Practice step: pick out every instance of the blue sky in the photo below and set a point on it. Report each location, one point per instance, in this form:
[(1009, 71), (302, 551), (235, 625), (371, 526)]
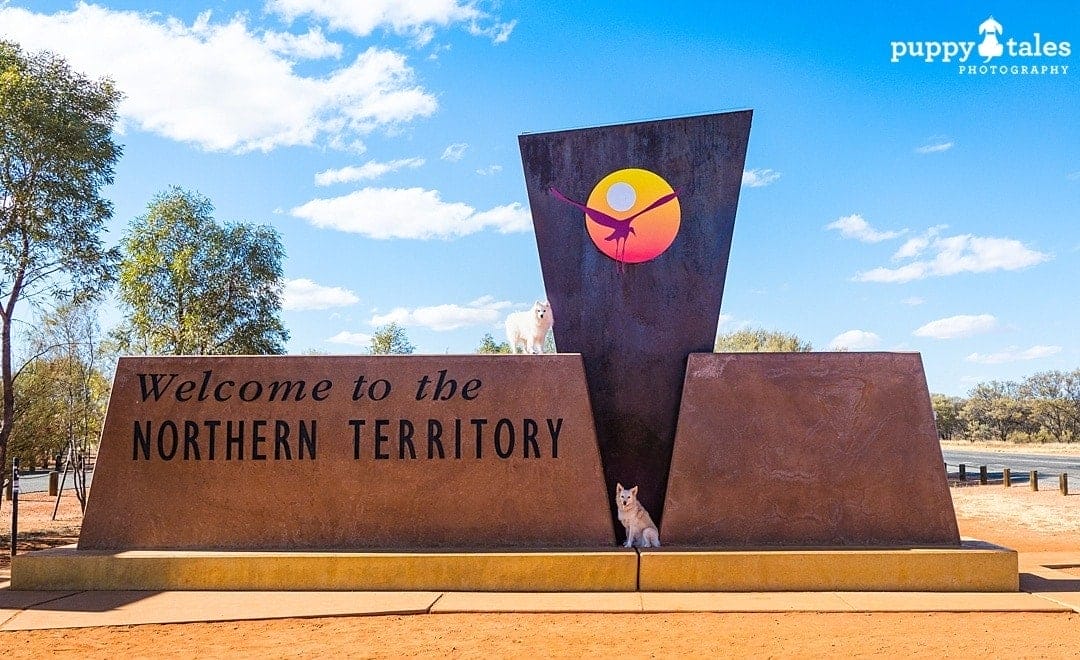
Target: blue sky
[(905, 205)]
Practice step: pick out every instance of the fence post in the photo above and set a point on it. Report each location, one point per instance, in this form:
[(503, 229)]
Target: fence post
[(1006, 477), (1033, 477), (14, 505), (1063, 483), (982, 475), (963, 472), (54, 483)]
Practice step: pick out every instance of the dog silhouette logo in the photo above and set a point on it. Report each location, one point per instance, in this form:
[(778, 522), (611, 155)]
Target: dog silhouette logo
[(990, 46)]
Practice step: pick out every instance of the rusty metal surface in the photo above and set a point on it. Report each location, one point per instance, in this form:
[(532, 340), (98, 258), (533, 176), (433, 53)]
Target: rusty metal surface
[(169, 493), (635, 324), (807, 449)]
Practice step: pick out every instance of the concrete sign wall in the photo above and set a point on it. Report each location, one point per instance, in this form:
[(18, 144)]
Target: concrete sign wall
[(807, 449), (348, 452)]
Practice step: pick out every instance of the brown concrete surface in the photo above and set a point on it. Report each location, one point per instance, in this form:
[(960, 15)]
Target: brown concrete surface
[(461, 602), (22, 610), (788, 624), (807, 449), (615, 569), (532, 480), (1054, 576), (792, 601), (114, 608), (635, 323), (974, 567)]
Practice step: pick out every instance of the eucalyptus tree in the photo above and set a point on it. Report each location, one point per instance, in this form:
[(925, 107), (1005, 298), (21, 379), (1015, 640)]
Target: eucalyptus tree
[(759, 340), (193, 286), (488, 345), (391, 339), (56, 155)]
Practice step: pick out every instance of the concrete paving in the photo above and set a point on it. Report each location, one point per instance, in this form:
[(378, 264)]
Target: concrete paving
[(1050, 582)]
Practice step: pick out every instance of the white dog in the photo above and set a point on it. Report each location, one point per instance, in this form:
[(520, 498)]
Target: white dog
[(529, 328)]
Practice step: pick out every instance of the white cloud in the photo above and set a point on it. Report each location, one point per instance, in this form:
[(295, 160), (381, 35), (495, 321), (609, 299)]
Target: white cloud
[(370, 170), (1073, 176), (409, 213), (491, 169), (304, 294), (415, 18), (856, 340), (454, 152), (311, 45), (1014, 355), (351, 338), (957, 254), (935, 146), (913, 301), (482, 311), (497, 32), (855, 226), (911, 248), (222, 85), (757, 178), (955, 327)]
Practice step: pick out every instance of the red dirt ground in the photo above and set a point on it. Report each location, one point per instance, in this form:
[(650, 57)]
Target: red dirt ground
[(1029, 522)]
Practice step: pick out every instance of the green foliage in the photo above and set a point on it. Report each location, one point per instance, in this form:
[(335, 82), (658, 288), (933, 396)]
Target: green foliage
[(58, 400), (39, 429), (994, 410), (489, 345), (947, 415), (391, 339), (1044, 407), (196, 287), (61, 394), (56, 154), (759, 340), (1054, 399)]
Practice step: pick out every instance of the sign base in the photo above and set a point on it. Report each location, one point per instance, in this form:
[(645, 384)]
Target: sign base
[(973, 567)]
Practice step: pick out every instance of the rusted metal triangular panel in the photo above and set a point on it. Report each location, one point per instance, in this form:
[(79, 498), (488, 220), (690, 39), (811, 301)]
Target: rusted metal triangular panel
[(636, 319)]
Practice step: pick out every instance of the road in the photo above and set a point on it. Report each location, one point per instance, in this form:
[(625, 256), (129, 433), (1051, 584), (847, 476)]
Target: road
[(1048, 465), (38, 482)]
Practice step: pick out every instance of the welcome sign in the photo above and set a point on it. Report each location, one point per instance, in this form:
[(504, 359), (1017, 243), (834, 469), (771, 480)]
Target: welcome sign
[(348, 452)]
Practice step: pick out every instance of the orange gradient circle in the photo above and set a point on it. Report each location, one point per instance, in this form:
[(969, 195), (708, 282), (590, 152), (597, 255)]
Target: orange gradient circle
[(623, 197)]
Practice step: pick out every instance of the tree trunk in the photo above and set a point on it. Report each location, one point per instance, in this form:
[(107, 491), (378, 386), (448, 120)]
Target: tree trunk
[(7, 378), (8, 393)]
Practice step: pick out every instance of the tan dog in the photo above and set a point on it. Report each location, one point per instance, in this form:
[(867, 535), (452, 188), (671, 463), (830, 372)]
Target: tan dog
[(640, 529)]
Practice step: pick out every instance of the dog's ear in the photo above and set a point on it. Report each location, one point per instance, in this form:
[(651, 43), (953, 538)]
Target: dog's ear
[(618, 487), (633, 491)]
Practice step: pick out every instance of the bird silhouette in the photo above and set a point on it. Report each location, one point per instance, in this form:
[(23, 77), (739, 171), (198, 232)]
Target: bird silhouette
[(621, 229)]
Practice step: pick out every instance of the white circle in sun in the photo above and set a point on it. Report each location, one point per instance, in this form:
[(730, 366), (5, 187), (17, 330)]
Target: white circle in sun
[(621, 196)]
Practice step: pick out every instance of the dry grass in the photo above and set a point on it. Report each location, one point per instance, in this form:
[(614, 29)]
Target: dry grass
[(1050, 448)]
